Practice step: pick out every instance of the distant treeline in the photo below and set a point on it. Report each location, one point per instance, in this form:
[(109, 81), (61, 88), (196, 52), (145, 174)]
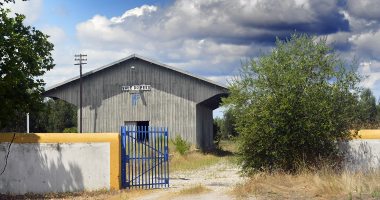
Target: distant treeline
[(369, 109), (57, 117)]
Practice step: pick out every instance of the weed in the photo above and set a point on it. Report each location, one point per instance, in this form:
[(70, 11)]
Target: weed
[(180, 145), (375, 193), (361, 190)]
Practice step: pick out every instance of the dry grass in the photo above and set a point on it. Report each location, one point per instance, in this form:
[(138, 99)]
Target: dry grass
[(98, 194), (311, 184), (196, 160), (193, 190), (192, 161), (229, 145), (198, 189)]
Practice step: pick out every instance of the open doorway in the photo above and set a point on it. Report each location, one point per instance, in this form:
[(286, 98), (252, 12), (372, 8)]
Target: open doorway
[(143, 123), (142, 126)]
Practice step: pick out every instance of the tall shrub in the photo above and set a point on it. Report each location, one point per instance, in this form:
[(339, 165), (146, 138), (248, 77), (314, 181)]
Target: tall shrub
[(293, 103)]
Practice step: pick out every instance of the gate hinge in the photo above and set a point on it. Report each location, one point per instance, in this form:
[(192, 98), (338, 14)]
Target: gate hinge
[(166, 157)]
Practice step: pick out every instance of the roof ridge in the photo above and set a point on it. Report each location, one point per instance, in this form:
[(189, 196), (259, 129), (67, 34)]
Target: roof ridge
[(142, 58)]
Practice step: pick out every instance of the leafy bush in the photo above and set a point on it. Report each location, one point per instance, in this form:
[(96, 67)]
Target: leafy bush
[(71, 130), (293, 103), (180, 145)]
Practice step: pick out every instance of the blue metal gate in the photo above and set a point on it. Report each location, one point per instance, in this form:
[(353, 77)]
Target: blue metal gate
[(144, 157)]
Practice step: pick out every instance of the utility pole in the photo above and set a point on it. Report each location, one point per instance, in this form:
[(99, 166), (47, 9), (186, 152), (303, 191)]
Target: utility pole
[(80, 59)]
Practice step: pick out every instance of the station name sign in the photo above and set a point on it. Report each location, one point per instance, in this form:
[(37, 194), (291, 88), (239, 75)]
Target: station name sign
[(136, 87)]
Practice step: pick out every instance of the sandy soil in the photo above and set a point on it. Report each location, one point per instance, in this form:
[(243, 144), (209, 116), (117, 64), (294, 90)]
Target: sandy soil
[(219, 178)]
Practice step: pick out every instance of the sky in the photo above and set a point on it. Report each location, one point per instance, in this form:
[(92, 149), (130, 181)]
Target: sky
[(209, 38)]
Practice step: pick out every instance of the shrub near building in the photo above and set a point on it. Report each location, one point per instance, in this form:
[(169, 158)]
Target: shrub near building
[(293, 103)]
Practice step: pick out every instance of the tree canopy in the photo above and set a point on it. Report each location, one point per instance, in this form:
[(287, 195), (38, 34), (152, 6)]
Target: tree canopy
[(25, 55), (57, 116), (293, 103)]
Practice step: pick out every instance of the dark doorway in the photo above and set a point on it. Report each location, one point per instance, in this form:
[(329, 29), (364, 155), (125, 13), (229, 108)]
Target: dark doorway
[(143, 126), (143, 123)]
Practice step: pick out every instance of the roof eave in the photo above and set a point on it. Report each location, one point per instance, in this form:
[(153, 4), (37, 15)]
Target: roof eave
[(142, 58)]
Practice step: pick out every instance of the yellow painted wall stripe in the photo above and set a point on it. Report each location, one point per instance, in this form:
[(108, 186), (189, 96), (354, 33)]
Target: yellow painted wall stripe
[(112, 138), (369, 134)]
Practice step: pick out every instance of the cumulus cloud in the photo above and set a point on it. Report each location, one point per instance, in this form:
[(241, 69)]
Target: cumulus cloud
[(371, 68), (57, 34), (365, 9), (367, 44), (134, 12), (31, 9), (207, 36), (221, 79), (211, 37)]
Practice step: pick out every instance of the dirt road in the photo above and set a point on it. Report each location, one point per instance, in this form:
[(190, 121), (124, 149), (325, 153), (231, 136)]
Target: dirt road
[(219, 179)]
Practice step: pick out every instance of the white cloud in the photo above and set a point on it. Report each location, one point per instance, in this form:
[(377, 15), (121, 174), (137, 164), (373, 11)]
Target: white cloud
[(366, 9), (221, 79), (170, 36), (372, 69), (134, 12), (57, 34), (31, 9), (367, 44), (200, 43), (211, 37)]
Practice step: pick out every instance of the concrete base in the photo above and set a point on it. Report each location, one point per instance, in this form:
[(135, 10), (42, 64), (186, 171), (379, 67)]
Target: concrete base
[(52, 167), (361, 154)]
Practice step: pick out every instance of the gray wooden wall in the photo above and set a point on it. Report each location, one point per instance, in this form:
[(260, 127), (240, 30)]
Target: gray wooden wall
[(174, 100)]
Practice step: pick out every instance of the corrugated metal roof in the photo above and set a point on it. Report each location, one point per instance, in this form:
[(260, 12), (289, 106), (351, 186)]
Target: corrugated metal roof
[(142, 58)]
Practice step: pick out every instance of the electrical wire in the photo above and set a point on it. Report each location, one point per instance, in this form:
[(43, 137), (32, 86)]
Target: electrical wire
[(9, 149)]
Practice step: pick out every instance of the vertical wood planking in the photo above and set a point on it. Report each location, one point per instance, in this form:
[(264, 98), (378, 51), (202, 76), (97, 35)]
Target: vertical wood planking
[(173, 101)]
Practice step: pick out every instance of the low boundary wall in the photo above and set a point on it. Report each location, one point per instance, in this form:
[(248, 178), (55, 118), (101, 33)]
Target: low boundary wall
[(68, 162), (362, 153), (59, 162)]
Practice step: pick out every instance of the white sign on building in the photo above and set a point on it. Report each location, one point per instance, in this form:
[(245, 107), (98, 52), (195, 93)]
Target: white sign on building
[(136, 87)]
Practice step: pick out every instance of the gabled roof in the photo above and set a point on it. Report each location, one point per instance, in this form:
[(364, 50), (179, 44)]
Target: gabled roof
[(142, 58)]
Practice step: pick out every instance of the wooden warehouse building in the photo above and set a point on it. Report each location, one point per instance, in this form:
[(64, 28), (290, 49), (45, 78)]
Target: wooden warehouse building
[(139, 91)]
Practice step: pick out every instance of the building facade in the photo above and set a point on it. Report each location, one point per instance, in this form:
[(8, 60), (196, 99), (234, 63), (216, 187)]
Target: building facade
[(139, 91)]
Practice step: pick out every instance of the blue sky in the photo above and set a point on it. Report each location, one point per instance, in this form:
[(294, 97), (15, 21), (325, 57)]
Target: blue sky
[(205, 37)]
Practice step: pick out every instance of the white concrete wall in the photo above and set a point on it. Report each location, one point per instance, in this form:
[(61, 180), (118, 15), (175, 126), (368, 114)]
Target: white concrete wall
[(361, 154), (51, 167)]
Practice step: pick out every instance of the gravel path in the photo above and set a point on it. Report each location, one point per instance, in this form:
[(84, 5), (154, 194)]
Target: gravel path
[(219, 178)]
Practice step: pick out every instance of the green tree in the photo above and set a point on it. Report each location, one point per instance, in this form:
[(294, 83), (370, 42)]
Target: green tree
[(25, 54), (217, 136), (368, 109), (293, 102), (38, 122), (229, 125), (62, 115), (56, 117)]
